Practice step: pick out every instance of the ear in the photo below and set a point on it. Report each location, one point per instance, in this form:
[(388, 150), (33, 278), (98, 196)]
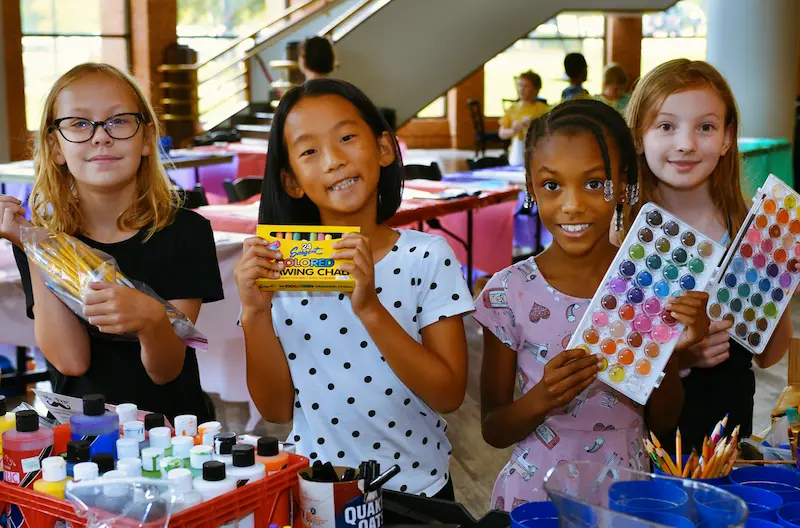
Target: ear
[(290, 185), (386, 150), (56, 147), (727, 140)]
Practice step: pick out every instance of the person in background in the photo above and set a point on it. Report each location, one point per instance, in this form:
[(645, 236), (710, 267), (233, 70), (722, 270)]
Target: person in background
[(516, 119), (615, 81), (576, 70), (317, 58)]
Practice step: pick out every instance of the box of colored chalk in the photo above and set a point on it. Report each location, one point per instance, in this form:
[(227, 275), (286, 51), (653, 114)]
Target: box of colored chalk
[(307, 258), (762, 268), (627, 321)]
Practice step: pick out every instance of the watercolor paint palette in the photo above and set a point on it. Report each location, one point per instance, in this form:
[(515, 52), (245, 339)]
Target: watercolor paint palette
[(759, 275), (626, 321)]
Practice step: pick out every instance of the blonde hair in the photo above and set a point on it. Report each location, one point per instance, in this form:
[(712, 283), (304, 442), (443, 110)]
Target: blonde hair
[(614, 74), (54, 198), (648, 96)]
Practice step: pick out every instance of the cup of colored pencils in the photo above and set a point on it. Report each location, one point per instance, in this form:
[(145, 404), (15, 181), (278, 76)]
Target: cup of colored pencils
[(714, 460)]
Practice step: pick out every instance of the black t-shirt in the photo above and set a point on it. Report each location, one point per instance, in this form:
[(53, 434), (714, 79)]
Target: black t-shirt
[(178, 262)]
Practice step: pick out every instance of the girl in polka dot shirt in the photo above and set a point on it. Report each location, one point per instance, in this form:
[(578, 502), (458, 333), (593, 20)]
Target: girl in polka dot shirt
[(364, 375), (579, 158)]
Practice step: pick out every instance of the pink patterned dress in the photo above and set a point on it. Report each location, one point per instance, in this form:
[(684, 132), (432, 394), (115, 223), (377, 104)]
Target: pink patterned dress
[(601, 425)]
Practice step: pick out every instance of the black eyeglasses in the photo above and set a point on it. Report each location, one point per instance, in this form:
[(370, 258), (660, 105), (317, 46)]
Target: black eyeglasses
[(80, 130)]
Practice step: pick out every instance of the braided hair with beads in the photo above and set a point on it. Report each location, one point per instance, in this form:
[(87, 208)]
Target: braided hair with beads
[(599, 119)]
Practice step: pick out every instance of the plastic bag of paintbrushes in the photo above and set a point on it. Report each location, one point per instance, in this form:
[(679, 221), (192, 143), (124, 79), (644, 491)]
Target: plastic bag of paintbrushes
[(68, 266)]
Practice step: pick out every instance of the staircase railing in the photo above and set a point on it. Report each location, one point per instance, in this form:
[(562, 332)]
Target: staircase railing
[(354, 16), (209, 92)]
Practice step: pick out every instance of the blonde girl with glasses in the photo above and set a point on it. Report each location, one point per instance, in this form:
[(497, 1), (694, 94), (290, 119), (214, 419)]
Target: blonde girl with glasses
[(100, 179)]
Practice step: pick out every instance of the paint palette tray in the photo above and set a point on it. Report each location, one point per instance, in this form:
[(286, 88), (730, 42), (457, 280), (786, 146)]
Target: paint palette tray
[(626, 321), (761, 271)]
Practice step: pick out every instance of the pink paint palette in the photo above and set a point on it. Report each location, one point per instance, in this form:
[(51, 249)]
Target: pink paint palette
[(627, 321), (761, 270)]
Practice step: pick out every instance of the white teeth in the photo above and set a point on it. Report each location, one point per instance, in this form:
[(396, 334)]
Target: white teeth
[(344, 184), (574, 228)]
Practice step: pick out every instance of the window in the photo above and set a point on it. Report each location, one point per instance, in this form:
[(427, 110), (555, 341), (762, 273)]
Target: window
[(437, 109), (678, 32), (543, 51), (209, 26), (57, 35)]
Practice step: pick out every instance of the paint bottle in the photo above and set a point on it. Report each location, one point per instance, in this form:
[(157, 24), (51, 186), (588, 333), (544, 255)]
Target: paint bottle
[(268, 453), (104, 461), (115, 497), (167, 464), (135, 429), (7, 421), (151, 456), (54, 477), (160, 437), (152, 420), (127, 412), (214, 481), (132, 467), (206, 433), (23, 449), (128, 448), (245, 470), (199, 455), (77, 451), (181, 485), (186, 425), (182, 448), (86, 471), (223, 446), (96, 424)]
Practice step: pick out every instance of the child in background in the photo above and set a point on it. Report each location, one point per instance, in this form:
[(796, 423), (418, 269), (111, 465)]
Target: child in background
[(517, 118), (100, 179), (576, 70), (685, 124), (580, 167), (615, 80), (364, 375), (317, 58)]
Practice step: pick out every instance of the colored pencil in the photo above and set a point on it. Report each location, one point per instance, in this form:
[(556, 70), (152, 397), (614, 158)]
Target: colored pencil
[(678, 451)]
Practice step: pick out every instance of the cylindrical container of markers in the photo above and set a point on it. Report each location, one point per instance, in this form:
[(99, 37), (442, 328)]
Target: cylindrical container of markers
[(339, 504)]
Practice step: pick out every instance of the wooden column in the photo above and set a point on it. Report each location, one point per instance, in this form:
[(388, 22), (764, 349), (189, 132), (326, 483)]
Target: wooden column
[(13, 129), (624, 42), (153, 31), (462, 132)]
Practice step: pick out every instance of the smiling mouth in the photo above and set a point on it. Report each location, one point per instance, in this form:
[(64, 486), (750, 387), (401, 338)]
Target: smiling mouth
[(574, 229), (344, 184), (101, 159)]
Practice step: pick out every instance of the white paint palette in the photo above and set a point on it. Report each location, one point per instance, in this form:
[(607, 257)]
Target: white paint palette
[(626, 321), (761, 271)]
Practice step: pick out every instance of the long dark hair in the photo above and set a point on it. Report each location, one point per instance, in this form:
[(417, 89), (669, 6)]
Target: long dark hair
[(277, 207), (595, 117)]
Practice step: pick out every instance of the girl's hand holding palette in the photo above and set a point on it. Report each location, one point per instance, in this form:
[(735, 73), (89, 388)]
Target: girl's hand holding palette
[(627, 321), (759, 275)]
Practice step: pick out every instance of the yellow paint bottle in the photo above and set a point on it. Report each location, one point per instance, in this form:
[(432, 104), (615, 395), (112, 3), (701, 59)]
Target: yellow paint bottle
[(54, 477)]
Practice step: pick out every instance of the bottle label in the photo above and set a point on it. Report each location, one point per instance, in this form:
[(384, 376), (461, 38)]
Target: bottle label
[(24, 467), (104, 443)]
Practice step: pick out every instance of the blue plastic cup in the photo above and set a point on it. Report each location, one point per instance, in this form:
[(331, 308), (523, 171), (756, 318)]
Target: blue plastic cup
[(781, 481), (535, 515), (636, 496), (760, 523), (789, 515), (763, 504), (667, 519), (719, 481)]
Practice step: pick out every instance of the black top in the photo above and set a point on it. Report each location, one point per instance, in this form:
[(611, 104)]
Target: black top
[(27, 421), (268, 446), (178, 262), (78, 451), (152, 420), (94, 405), (243, 455)]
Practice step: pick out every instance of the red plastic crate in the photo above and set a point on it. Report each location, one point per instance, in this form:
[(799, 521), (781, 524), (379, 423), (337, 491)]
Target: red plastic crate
[(259, 498)]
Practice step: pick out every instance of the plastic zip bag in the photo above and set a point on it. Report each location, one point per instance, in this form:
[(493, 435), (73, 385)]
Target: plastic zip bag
[(124, 502), (68, 266)]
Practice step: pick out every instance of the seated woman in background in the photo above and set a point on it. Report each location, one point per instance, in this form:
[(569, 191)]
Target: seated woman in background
[(514, 123), (317, 58), (615, 81)]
